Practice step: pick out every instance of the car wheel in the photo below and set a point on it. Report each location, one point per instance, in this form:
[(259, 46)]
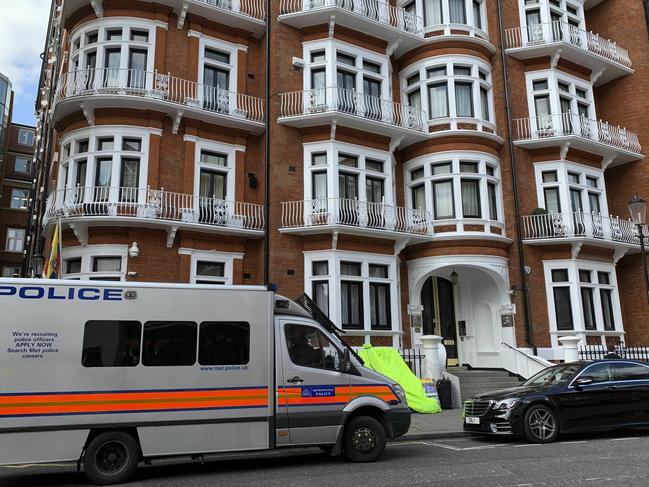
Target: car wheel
[(364, 439), (541, 424), (111, 458)]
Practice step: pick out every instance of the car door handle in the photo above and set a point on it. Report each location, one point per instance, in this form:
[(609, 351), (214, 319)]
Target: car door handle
[(295, 380)]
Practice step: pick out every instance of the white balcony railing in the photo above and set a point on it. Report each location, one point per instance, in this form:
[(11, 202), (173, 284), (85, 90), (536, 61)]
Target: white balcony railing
[(579, 224), (159, 87), (558, 31), (573, 124), (250, 8), (377, 10), (153, 205), (354, 213), (351, 102)]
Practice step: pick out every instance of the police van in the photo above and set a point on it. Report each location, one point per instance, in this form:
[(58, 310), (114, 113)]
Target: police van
[(113, 374)]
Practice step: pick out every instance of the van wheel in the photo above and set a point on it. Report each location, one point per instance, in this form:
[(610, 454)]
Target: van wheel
[(541, 424), (364, 439), (111, 458)]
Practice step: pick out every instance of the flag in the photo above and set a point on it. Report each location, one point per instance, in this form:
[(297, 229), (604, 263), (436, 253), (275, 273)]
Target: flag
[(53, 267)]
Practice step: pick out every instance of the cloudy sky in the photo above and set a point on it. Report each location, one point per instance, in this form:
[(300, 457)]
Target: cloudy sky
[(22, 38)]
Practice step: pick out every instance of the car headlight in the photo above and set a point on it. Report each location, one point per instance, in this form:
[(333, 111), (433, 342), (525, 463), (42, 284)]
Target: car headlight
[(401, 394), (506, 404)]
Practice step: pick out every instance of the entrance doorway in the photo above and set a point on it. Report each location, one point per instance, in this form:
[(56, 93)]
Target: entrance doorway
[(438, 315)]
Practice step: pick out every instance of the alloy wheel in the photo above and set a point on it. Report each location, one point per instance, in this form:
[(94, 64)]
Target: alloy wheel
[(542, 424)]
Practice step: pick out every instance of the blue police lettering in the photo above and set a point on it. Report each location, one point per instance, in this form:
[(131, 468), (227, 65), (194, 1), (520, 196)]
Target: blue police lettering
[(7, 290), (51, 294), (112, 294), (28, 292), (84, 291)]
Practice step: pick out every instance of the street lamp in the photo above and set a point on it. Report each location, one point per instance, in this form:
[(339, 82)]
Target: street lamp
[(638, 210), (38, 263)]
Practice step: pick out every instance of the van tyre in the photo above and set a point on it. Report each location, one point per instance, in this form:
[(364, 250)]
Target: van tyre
[(111, 458), (541, 424), (364, 439)]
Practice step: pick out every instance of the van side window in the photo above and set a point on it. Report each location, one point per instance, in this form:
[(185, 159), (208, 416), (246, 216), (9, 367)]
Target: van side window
[(309, 347), (224, 343), (111, 344), (169, 343)]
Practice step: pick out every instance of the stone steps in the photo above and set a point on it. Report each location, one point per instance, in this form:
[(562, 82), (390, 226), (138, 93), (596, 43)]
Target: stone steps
[(474, 382)]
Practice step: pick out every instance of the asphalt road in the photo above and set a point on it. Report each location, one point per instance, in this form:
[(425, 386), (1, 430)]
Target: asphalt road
[(605, 460)]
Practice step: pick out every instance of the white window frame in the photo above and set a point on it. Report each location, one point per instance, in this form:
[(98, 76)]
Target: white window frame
[(554, 77), (333, 46), (333, 149), (219, 45), (19, 198), (334, 258), (562, 169), (15, 241), (445, 26), (476, 65), (11, 271), (228, 150), (26, 137), (28, 165), (70, 157), (545, 8), (573, 267), (226, 258), (87, 254), (455, 158), (127, 24)]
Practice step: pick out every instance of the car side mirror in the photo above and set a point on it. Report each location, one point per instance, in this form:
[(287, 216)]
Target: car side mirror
[(583, 382), (347, 361)]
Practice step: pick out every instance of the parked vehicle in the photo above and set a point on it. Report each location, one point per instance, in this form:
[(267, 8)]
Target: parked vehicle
[(574, 397), (109, 374)]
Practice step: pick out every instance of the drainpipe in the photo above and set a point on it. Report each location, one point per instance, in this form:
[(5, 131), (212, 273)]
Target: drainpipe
[(519, 240), (267, 153), (645, 4)]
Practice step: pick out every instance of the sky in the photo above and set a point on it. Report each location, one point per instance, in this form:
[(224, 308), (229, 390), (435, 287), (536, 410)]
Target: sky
[(22, 39)]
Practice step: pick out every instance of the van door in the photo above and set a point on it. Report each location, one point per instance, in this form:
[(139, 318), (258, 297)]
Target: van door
[(315, 389)]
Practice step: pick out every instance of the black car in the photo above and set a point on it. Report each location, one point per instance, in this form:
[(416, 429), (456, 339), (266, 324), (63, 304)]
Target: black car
[(575, 397)]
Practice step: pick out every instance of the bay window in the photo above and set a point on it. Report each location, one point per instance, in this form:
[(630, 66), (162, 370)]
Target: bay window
[(95, 262), (438, 13)]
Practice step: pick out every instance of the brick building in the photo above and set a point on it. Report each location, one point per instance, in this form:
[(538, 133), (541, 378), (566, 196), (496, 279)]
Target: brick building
[(433, 166), (16, 176)]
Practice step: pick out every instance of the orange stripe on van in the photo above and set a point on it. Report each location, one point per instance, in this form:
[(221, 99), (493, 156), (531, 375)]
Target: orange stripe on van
[(292, 396)]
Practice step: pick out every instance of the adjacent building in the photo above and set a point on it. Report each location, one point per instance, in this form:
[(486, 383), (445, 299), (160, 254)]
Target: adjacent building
[(451, 167), (16, 177)]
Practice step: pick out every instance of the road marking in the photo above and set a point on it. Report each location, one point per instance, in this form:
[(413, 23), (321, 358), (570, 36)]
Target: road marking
[(525, 445), (447, 447), (571, 442), (625, 439)]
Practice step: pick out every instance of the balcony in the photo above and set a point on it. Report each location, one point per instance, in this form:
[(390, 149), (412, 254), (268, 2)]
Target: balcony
[(403, 30), (249, 15), (352, 109), (606, 60), (614, 144), (89, 89), (354, 217), (79, 208), (579, 227)]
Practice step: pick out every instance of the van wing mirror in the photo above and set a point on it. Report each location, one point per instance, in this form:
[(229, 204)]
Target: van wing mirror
[(347, 361)]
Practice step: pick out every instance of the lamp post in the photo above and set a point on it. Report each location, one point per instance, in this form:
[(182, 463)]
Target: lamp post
[(638, 210)]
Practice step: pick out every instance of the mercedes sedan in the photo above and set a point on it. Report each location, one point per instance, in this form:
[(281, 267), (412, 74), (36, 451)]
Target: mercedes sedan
[(575, 397)]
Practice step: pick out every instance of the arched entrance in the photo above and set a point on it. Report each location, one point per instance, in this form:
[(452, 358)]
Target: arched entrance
[(438, 314)]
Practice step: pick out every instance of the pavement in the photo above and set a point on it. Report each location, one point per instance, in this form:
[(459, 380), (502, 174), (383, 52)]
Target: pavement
[(603, 460), (447, 424)]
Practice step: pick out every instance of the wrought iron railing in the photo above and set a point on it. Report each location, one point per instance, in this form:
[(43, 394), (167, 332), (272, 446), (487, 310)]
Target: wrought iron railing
[(159, 87), (415, 359), (598, 352), (362, 214), (559, 31), (377, 10), (341, 100), (152, 204), (249, 8), (579, 224), (564, 124)]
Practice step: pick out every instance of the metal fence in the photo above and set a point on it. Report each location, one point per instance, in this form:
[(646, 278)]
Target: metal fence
[(596, 352), (415, 360)]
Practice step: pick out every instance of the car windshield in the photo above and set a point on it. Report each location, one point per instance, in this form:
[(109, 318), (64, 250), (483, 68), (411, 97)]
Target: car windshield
[(558, 374)]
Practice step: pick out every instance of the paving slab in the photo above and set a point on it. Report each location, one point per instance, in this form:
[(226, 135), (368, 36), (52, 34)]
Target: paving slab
[(447, 424)]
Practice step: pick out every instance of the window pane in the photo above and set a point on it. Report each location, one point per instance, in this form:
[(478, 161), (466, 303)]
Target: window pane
[(224, 343), (345, 59), (484, 104), (309, 347), (132, 144), (413, 79), (370, 66), (219, 56), (372, 165), (347, 160), (351, 304), (462, 71), (563, 308), (140, 35), (584, 276), (433, 12), (493, 201), (588, 307), (443, 199), (214, 158), (597, 373), (540, 85), (350, 268), (436, 71), (419, 197), (130, 175), (438, 100), (464, 99), (321, 295), (73, 266), (169, 343), (106, 264), (560, 275), (380, 306), (320, 268), (626, 371), (319, 188), (552, 202), (211, 269), (606, 298), (378, 270), (114, 34), (469, 167), (111, 344), (550, 177), (319, 159), (445, 168), (19, 199), (471, 198), (417, 174), (318, 57), (457, 11), (603, 278), (22, 165)]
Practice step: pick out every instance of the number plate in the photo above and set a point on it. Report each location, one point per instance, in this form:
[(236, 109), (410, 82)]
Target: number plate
[(472, 420)]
